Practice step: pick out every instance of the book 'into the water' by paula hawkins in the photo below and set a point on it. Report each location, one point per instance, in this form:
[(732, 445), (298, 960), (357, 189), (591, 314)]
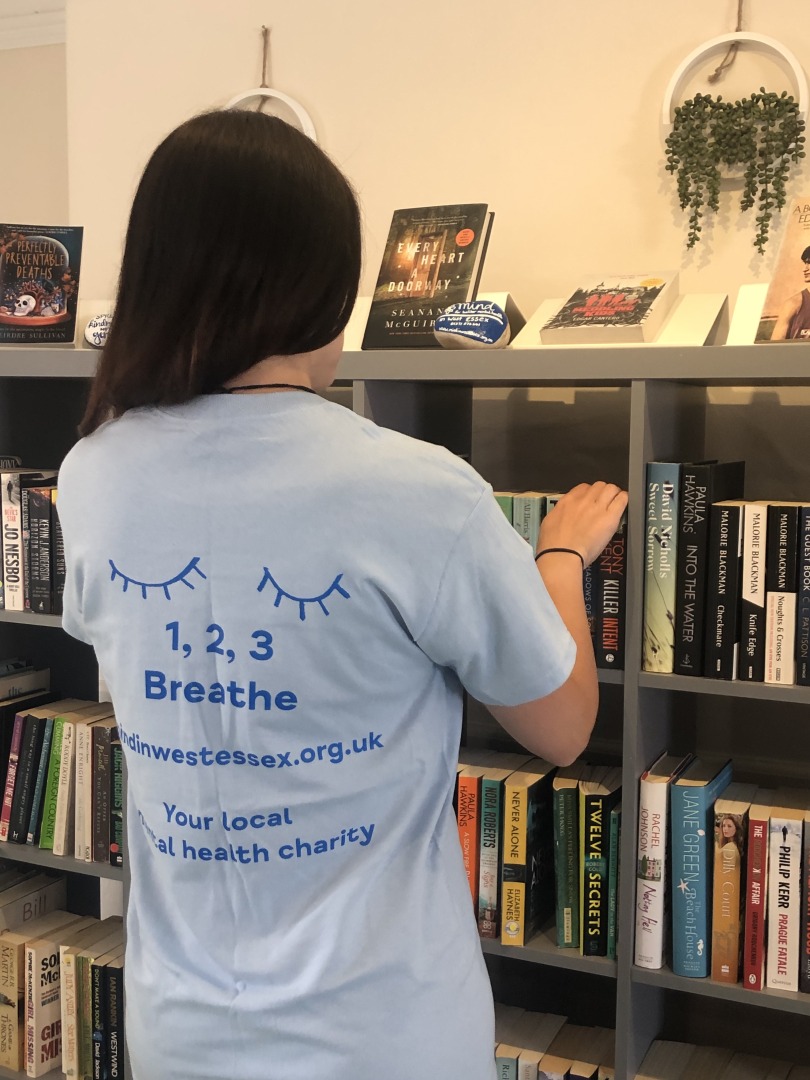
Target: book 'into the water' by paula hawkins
[(39, 283), (433, 258)]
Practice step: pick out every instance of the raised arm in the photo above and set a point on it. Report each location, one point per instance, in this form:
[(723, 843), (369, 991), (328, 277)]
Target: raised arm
[(558, 726)]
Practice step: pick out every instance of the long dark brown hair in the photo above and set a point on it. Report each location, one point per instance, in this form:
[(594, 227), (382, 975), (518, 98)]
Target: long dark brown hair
[(243, 243)]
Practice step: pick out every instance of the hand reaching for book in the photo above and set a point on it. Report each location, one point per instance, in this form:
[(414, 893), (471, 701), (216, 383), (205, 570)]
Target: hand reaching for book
[(584, 519)]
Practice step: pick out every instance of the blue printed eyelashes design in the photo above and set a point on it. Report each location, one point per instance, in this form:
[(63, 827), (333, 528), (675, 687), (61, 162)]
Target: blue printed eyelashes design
[(144, 586), (302, 601)]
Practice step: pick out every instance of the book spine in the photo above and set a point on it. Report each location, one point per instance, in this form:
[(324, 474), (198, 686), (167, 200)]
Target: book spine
[(68, 1012), (115, 1020), (51, 788), (593, 841), (43, 1011), (39, 511), (780, 594), (756, 906), (727, 896), (80, 758), (24, 682), (25, 532), (513, 873), (803, 599), (651, 874), (722, 635), (97, 1019), (11, 775), (39, 782), (691, 821), (690, 593), (784, 903), (611, 602), (12, 540), (566, 866), (489, 870), (752, 653), (12, 974), (63, 835), (117, 823), (526, 513), (615, 832), (467, 817), (24, 784), (663, 482), (804, 929), (84, 1010), (100, 846), (58, 568)]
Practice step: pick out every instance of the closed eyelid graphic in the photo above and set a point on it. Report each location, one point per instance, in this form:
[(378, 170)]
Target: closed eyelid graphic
[(144, 586), (302, 601)]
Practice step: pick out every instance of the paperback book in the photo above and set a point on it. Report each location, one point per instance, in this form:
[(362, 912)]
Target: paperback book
[(786, 311), (433, 258), (39, 283), (615, 309)]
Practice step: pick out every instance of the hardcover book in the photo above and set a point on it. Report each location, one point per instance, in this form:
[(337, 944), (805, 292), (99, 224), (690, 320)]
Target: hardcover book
[(615, 309), (731, 812), (786, 312), (433, 258), (652, 885), (661, 541), (692, 798), (702, 483), (39, 283)]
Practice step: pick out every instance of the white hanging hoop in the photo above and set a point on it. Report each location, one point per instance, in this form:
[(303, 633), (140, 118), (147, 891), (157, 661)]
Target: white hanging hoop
[(301, 114), (742, 38)]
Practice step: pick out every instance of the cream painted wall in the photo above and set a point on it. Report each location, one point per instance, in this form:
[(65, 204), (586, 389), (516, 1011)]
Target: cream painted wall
[(548, 111), (33, 160)]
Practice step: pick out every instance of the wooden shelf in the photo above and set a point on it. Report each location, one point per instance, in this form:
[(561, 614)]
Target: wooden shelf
[(29, 618), (734, 688)]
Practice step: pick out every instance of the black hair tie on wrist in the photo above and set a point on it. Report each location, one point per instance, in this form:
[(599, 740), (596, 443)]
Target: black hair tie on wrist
[(564, 551)]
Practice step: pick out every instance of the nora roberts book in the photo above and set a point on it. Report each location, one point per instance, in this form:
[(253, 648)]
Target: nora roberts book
[(433, 258), (39, 283), (613, 310)]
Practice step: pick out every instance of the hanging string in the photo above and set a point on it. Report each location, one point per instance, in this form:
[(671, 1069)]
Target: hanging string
[(731, 54), (265, 64)]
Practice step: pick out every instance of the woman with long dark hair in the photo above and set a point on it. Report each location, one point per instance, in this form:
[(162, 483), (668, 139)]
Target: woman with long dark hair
[(287, 602)]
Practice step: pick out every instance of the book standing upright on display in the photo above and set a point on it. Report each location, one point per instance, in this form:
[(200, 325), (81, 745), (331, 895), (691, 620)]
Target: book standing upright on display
[(39, 283), (785, 314), (433, 258)]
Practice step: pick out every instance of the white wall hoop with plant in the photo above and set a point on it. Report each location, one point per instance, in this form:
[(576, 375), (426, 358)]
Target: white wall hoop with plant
[(759, 137)]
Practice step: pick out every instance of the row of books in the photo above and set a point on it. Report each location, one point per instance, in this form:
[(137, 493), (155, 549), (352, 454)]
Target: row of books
[(724, 867), (670, 1060), (33, 554), (603, 581), (544, 1046), (541, 842), (727, 580), (62, 996), (61, 775)]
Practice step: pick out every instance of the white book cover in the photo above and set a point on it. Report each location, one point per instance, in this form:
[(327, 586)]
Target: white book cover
[(784, 898), (652, 887), (780, 638)]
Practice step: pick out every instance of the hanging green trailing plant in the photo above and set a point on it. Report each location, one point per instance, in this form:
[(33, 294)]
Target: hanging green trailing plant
[(762, 134)]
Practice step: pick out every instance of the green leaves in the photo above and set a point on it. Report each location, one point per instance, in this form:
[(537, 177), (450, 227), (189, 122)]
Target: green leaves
[(763, 134)]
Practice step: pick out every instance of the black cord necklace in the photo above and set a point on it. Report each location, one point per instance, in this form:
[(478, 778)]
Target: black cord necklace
[(265, 386)]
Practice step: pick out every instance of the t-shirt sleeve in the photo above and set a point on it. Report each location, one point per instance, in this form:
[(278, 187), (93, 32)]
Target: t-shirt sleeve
[(493, 622)]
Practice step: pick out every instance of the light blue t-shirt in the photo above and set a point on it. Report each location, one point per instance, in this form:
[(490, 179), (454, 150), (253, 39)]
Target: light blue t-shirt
[(286, 602)]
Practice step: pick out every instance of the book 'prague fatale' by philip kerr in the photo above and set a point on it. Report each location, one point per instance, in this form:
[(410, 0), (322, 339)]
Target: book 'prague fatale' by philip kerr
[(433, 258), (39, 283)]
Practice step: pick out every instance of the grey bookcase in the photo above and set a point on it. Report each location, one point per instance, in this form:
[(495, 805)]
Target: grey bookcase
[(665, 405)]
